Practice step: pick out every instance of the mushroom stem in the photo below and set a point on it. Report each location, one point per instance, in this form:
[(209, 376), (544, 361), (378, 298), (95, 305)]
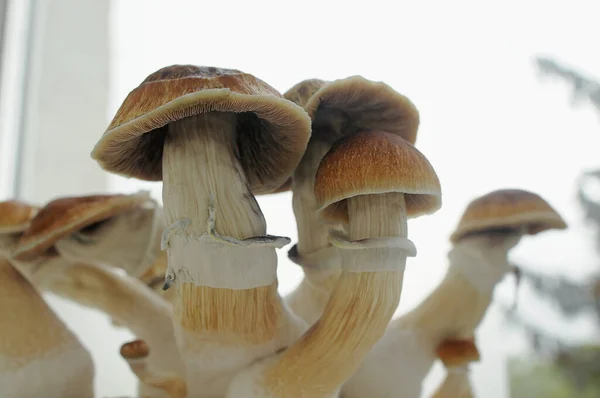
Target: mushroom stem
[(174, 386), (125, 299), (201, 167), (39, 355), (319, 260), (360, 307), (455, 385)]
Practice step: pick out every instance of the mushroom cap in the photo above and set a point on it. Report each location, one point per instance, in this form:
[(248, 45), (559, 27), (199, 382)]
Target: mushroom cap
[(457, 352), (272, 131), (508, 208), (135, 349), (374, 162), (61, 217), (303, 91), (15, 216), (356, 104)]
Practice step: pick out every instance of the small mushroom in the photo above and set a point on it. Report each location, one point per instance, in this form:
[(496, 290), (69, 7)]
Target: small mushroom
[(39, 355), (456, 355), (215, 137), (370, 182), (152, 385), (118, 230), (490, 226), (337, 109)]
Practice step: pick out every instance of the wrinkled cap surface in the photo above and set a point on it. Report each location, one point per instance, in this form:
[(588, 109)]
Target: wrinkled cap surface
[(375, 162), (508, 208), (272, 131), (135, 349), (15, 216), (457, 352), (61, 217)]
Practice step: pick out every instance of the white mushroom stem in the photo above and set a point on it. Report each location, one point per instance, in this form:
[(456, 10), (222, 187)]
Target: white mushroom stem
[(457, 306), (172, 385), (319, 260), (360, 307), (125, 299), (456, 384), (227, 309), (453, 310), (39, 355)]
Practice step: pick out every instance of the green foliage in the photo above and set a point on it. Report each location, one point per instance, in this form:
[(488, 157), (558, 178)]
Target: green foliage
[(531, 378)]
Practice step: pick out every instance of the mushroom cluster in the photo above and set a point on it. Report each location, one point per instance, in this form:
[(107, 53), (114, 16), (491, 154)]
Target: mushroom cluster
[(195, 280)]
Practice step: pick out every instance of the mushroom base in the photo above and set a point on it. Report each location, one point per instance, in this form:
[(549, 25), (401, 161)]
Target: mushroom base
[(455, 385)]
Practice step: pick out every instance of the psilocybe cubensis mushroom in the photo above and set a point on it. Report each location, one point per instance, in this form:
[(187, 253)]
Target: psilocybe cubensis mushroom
[(119, 230), (337, 109), (456, 355), (39, 355), (490, 226), (370, 182), (153, 383), (215, 137), (15, 217)]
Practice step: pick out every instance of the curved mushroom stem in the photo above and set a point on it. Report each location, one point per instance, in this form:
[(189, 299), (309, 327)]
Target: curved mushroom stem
[(356, 316), (173, 386), (320, 261), (125, 299), (226, 302), (39, 355), (456, 384)]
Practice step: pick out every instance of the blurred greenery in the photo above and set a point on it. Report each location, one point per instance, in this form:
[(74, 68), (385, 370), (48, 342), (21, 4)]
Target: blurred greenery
[(558, 369), (532, 377)]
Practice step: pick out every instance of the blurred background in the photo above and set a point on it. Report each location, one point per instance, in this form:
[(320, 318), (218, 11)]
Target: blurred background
[(509, 96)]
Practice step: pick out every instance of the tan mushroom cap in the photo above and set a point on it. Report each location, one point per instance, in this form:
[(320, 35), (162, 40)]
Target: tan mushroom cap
[(63, 216), (508, 208), (457, 352), (135, 349), (375, 162), (15, 216), (272, 131), (303, 91), (356, 104)]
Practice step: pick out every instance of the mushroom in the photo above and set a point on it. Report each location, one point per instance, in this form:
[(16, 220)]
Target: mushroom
[(39, 355), (215, 137), (370, 182), (118, 230), (136, 354), (337, 109), (15, 217), (124, 298), (456, 355), (490, 226)]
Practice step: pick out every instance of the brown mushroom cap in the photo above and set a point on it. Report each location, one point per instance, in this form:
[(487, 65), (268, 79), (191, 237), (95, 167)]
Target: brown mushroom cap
[(272, 131), (135, 349), (508, 208), (61, 217), (303, 91), (356, 104), (457, 352), (375, 162), (15, 216)]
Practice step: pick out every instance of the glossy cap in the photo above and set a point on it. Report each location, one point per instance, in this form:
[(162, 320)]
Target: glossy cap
[(272, 131), (135, 349), (63, 216), (375, 162), (508, 208), (457, 352)]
